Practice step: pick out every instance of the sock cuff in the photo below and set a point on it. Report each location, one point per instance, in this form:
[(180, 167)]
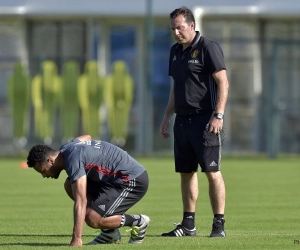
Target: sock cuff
[(123, 220), (219, 216)]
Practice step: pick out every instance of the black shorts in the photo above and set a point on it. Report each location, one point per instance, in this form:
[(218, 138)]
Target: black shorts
[(194, 145), (112, 199)]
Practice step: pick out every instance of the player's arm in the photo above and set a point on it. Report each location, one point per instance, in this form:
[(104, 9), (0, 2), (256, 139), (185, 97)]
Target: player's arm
[(171, 106), (84, 138), (220, 77), (80, 203), (222, 90), (163, 129)]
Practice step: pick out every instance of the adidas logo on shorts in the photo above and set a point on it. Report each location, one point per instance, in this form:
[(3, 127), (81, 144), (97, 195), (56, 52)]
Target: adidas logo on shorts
[(102, 207), (213, 164)]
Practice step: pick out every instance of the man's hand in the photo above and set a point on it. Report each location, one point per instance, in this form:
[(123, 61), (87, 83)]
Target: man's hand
[(84, 138), (216, 125), (76, 242), (163, 129), (164, 126)]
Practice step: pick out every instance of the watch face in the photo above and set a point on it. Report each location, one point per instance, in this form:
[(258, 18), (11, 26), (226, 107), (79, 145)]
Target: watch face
[(219, 115)]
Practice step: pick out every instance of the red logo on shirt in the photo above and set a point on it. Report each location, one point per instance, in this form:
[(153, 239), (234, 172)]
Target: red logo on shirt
[(107, 172)]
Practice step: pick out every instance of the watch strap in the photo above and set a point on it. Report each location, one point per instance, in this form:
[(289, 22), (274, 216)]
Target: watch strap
[(219, 116)]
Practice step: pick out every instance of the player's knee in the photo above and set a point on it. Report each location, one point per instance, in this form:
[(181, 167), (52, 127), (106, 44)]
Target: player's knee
[(93, 219), (213, 175)]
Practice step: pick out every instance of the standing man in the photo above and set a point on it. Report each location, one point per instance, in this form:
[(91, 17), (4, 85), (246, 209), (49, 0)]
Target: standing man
[(104, 182), (198, 97)]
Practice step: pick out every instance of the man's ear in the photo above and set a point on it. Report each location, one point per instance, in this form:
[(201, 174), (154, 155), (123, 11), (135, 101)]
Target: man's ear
[(192, 25), (50, 160)]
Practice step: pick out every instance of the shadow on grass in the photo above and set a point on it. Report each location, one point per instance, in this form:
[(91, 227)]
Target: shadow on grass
[(41, 235), (38, 244), (34, 244), (65, 235)]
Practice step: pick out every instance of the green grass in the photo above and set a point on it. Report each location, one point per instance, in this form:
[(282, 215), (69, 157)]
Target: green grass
[(262, 210)]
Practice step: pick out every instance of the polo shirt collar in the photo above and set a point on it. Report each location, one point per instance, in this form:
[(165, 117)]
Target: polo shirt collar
[(196, 39), (194, 42)]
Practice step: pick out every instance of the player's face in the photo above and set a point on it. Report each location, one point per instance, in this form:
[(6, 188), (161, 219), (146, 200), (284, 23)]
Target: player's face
[(47, 169), (182, 31)]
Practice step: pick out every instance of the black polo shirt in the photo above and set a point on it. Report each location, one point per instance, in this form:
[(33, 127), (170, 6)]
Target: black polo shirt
[(195, 90)]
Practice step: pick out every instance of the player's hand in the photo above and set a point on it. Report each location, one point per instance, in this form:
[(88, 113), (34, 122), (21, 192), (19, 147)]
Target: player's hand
[(215, 126), (163, 129), (76, 242)]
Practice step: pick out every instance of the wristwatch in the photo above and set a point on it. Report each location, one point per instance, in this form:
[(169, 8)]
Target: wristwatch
[(219, 115)]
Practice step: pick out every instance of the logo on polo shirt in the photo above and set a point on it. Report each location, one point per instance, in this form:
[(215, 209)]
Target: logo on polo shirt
[(193, 61), (195, 53)]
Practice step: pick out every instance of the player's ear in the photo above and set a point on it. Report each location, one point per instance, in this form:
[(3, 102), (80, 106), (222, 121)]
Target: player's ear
[(192, 25), (50, 160)]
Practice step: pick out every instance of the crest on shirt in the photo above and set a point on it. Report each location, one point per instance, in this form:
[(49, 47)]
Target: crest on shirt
[(195, 53)]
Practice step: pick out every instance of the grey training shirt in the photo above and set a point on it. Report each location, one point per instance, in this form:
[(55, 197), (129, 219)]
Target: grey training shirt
[(100, 161)]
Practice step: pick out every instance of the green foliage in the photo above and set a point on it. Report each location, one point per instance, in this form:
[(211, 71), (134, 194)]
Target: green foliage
[(262, 209), (19, 96)]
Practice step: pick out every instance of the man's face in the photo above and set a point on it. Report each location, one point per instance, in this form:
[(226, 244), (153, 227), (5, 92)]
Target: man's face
[(47, 169), (182, 31)]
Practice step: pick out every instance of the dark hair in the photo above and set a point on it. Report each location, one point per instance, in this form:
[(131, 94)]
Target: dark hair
[(38, 154), (186, 12)]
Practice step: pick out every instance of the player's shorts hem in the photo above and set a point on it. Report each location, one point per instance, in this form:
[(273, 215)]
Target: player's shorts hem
[(117, 198), (210, 170)]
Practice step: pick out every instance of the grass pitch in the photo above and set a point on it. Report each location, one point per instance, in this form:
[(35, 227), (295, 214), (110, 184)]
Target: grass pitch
[(262, 208)]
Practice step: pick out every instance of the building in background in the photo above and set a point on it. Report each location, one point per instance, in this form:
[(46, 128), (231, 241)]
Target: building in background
[(260, 39)]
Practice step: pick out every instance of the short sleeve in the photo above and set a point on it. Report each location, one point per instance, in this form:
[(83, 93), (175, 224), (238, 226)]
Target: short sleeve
[(214, 58), (74, 163)]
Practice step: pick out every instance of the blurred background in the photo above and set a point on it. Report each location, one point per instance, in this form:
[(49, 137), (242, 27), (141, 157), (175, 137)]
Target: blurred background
[(100, 67)]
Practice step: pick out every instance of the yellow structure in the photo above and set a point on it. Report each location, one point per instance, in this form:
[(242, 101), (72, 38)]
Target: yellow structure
[(118, 96), (90, 96), (45, 100), (19, 98)]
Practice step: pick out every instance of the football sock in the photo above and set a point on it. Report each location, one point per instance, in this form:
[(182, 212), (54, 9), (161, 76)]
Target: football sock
[(131, 220), (219, 216), (188, 220)]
